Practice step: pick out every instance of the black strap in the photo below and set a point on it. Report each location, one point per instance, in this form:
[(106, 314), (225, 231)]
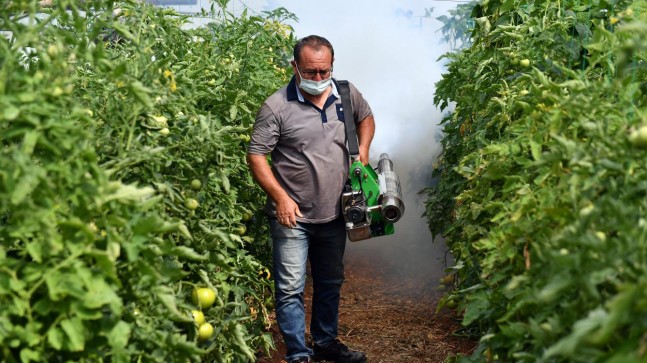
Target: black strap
[(349, 119)]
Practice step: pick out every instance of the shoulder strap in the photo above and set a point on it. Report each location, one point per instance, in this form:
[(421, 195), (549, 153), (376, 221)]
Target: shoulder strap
[(349, 119)]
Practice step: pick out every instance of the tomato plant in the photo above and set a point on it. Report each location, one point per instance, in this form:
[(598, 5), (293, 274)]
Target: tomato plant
[(111, 111), (541, 181)]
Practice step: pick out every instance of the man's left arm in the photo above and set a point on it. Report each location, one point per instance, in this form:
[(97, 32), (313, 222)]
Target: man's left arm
[(365, 132)]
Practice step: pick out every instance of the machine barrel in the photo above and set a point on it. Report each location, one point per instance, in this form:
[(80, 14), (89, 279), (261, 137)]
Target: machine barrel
[(390, 197)]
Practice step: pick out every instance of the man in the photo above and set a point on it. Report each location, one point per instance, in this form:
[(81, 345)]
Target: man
[(302, 126)]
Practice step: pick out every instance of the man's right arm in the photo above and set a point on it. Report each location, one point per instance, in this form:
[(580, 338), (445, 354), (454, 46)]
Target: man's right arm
[(286, 209)]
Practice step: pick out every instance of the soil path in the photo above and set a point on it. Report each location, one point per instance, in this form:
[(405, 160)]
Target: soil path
[(390, 313)]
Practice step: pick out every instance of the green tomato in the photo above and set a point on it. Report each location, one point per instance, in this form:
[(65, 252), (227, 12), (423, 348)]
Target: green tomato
[(446, 280), (205, 331), (204, 297), (638, 137), (53, 50), (241, 230), (196, 184), (191, 203), (198, 316), (524, 62)]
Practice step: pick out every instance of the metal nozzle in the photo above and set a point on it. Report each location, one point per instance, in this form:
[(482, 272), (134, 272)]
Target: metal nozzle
[(390, 191)]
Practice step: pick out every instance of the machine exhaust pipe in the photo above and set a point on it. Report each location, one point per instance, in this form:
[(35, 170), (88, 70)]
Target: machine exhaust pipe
[(390, 197)]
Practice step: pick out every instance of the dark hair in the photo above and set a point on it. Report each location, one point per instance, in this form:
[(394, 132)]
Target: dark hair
[(313, 41)]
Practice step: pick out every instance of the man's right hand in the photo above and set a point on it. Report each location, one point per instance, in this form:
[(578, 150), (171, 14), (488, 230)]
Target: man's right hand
[(287, 209), (287, 212)]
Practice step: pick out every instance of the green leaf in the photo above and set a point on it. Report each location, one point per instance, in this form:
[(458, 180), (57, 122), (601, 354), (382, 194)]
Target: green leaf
[(233, 112), (555, 286), (119, 335), (75, 332), (188, 253), (123, 31), (27, 355), (61, 284), (569, 345), (535, 150), (10, 113), (225, 183), (55, 337), (141, 93), (166, 296), (29, 142), (35, 250), (99, 294), (26, 185), (475, 308), (127, 193)]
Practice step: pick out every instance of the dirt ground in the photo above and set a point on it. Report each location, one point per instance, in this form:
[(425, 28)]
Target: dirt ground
[(390, 313)]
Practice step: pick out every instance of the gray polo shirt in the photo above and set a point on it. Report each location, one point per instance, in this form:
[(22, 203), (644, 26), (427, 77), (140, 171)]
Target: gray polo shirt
[(310, 158)]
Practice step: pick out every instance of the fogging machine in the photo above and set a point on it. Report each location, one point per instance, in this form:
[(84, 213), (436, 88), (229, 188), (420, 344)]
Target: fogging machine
[(372, 199)]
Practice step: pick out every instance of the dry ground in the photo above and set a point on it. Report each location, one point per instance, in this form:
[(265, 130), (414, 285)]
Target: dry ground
[(390, 313)]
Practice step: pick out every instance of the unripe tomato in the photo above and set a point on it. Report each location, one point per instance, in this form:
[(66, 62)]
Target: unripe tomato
[(53, 50), (638, 137), (191, 203), (241, 229), (247, 217), (524, 62), (196, 184), (448, 279), (586, 210), (601, 235), (198, 316), (205, 331), (204, 297), (164, 131)]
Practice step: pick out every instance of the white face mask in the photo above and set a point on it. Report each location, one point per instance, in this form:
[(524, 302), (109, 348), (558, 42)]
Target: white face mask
[(314, 88)]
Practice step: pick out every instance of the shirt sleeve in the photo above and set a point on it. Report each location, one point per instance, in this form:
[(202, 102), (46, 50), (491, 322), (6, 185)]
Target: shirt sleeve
[(361, 108), (266, 132)]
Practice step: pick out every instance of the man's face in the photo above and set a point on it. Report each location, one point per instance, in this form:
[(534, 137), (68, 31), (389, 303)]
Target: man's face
[(315, 64)]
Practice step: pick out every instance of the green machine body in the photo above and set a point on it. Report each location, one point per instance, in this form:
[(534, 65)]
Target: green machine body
[(372, 200)]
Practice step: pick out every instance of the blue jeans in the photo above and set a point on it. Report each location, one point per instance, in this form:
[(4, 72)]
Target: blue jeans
[(324, 245)]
